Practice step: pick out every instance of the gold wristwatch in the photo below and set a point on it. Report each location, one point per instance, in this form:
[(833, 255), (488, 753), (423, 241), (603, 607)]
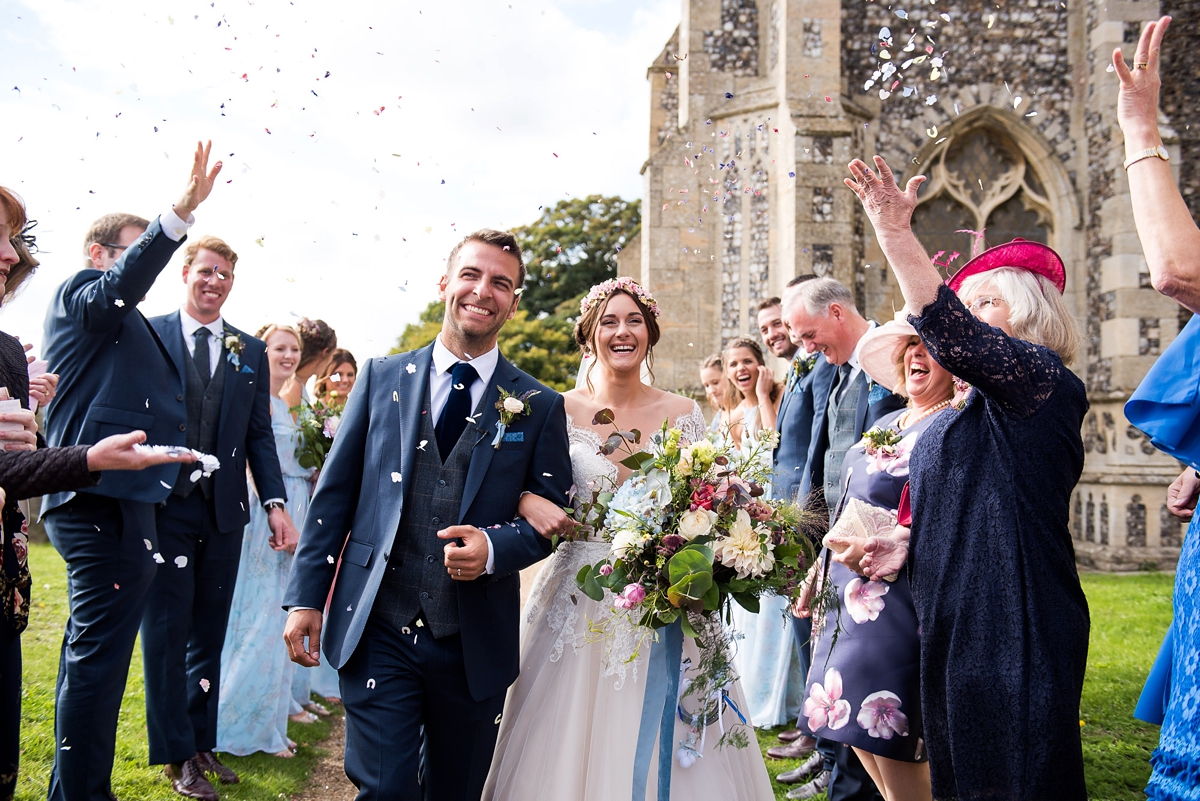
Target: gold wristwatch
[(1159, 152)]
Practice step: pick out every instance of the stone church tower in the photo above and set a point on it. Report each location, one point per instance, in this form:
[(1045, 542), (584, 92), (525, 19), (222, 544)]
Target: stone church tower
[(756, 107)]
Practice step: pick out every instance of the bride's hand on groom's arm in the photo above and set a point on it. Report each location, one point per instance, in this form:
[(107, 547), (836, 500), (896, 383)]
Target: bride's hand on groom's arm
[(303, 624), (547, 517)]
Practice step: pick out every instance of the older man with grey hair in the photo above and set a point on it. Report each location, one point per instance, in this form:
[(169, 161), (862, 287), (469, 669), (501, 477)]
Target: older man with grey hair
[(822, 318)]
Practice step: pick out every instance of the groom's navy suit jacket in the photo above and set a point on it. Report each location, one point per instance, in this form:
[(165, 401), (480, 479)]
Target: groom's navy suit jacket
[(244, 432), (361, 494)]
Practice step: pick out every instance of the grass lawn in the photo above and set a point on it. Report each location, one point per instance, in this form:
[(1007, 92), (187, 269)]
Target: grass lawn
[(263, 776), (1130, 614)]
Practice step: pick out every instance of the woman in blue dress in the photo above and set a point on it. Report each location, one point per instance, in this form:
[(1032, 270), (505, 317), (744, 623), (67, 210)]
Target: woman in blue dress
[(1167, 407), (864, 686), (256, 674), (1003, 619)]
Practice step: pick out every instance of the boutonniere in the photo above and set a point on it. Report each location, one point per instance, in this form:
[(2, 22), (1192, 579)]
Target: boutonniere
[(881, 441), (802, 367), (511, 407), (234, 345)]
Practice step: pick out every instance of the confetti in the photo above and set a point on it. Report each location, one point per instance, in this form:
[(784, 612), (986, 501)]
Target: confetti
[(410, 369), (370, 684), (421, 445), (396, 477), (158, 557), (180, 561), (120, 304), (329, 559), (149, 545), (205, 685)]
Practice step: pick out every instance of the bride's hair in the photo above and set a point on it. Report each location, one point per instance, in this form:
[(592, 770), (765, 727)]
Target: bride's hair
[(589, 321)]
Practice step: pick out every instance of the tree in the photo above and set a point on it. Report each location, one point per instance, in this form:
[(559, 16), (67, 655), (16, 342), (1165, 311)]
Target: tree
[(572, 246), (544, 348)]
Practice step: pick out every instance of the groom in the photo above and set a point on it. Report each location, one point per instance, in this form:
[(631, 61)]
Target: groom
[(420, 507)]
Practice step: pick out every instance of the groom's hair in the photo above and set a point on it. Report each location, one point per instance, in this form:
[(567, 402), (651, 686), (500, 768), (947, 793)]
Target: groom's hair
[(490, 236)]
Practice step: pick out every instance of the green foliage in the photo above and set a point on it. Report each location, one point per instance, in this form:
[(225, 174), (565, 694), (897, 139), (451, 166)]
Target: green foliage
[(543, 348), (572, 246), (263, 775)]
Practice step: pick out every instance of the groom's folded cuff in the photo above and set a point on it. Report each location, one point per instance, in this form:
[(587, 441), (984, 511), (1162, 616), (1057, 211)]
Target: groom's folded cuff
[(490, 567), (297, 608)]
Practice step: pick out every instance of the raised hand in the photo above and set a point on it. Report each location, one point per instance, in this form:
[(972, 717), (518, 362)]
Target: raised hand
[(200, 181), (1137, 96), (887, 207)]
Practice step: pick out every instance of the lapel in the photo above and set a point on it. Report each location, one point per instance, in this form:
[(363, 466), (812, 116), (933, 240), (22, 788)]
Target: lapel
[(170, 333), (231, 373), (413, 389), (481, 455), (864, 403)]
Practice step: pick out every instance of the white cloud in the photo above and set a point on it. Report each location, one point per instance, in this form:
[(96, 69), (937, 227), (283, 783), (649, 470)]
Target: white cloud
[(512, 107)]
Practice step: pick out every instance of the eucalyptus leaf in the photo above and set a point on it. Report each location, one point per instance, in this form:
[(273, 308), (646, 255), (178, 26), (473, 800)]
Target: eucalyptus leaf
[(604, 417), (748, 602)]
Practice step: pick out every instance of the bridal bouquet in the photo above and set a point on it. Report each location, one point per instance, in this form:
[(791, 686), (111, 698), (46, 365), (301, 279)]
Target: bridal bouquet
[(690, 530), (318, 422)]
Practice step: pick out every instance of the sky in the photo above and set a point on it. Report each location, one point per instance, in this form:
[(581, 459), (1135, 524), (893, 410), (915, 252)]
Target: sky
[(360, 140)]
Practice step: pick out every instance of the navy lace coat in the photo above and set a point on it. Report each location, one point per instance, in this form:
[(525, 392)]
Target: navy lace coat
[(1004, 622)]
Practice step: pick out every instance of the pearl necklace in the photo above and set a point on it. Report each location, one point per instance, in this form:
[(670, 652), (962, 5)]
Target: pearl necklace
[(904, 422)]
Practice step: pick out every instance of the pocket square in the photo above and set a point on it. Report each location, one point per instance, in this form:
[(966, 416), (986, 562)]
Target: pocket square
[(514, 436), (246, 369)]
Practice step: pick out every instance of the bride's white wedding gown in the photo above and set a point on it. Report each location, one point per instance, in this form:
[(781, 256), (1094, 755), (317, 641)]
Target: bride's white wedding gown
[(570, 721)]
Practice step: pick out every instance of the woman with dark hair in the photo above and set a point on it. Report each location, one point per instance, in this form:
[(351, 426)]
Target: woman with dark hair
[(335, 387), (570, 722), (751, 392), (1003, 619), (25, 473)]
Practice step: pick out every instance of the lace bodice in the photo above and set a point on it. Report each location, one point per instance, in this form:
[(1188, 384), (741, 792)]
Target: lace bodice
[(592, 471), (550, 599)]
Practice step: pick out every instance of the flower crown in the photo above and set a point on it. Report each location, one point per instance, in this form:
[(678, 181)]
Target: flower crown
[(604, 289)]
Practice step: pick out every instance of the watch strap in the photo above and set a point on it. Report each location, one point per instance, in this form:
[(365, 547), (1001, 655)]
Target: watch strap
[(1158, 152)]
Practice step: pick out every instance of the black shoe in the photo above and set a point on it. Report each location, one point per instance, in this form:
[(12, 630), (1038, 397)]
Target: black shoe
[(803, 773), (813, 788)]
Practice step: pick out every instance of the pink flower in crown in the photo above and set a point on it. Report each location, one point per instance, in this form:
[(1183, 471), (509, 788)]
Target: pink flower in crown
[(825, 705), (880, 715), (605, 288), (864, 599)]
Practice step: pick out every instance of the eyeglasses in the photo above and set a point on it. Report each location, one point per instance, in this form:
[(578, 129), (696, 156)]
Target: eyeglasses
[(985, 302), (113, 246), (206, 274)]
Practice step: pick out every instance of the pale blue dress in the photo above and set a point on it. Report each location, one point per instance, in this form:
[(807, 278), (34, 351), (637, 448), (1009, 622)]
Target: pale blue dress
[(256, 674)]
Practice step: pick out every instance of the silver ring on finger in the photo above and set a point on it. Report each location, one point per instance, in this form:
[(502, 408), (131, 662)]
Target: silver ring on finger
[(460, 571)]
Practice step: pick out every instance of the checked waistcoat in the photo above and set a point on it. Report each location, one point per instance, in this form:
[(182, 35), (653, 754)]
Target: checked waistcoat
[(842, 436), (203, 417), (416, 579)]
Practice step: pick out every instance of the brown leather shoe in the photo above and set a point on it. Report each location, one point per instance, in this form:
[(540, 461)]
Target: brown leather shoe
[(210, 763), (187, 779), (802, 747), (791, 735)]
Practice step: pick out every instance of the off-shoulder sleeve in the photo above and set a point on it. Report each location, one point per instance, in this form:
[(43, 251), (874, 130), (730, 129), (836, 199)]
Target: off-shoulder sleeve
[(692, 427), (1018, 375)]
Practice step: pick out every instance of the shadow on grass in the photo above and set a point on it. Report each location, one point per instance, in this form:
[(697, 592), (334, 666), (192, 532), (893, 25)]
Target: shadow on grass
[(262, 776)]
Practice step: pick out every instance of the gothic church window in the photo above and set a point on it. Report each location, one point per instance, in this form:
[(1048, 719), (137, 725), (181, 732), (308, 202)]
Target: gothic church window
[(979, 181)]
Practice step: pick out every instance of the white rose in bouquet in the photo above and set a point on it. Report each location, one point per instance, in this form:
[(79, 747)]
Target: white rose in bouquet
[(696, 523)]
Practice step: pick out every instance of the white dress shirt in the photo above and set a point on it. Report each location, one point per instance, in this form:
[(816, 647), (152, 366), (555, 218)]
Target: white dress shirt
[(215, 342), (439, 392), (173, 226)]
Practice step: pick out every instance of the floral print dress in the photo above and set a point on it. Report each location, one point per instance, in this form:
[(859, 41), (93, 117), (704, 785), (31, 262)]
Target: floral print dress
[(864, 688)]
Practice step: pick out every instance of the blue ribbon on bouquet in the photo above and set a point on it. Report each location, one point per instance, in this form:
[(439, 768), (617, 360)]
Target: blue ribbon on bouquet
[(658, 707)]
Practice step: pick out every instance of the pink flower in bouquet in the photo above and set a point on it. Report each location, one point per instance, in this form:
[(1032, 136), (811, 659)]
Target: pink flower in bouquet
[(331, 426), (880, 715), (864, 599), (825, 705), (732, 486), (606, 570), (702, 497), (760, 512), (631, 596)]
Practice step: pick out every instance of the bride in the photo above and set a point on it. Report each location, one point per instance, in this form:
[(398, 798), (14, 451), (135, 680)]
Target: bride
[(570, 723)]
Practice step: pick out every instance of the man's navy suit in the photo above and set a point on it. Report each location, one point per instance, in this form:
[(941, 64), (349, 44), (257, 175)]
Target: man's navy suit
[(115, 376), (200, 541), (397, 678)]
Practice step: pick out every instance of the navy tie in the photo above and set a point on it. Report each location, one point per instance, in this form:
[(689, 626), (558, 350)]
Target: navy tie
[(201, 355), (458, 407)]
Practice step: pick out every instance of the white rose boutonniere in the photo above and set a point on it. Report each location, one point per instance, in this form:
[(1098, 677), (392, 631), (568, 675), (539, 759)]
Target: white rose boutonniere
[(234, 346), (511, 407)]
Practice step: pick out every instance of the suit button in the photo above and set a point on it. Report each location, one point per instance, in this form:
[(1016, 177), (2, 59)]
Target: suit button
[(425, 595), (182, 427), (437, 520), (441, 482), (179, 397), (430, 558)]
